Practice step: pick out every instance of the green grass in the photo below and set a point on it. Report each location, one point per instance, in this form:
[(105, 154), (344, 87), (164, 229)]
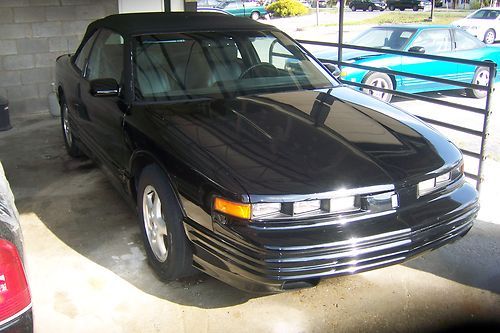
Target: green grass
[(399, 18)]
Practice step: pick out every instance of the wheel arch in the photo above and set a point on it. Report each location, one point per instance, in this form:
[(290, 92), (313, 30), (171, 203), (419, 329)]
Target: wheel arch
[(143, 158), (139, 160)]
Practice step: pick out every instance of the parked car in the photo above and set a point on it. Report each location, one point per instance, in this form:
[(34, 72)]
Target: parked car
[(428, 39), (369, 5), (319, 3), (405, 4), (244, 9), (246, 159), (15, 298), (483, 23)]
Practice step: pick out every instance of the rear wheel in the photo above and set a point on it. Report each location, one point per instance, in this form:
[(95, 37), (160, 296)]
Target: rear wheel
[(370, 8), (481, 77), (160, 218), (67, 129), (391, 8), (255, 16), (353, 8), (402, 9), (379, 80), (489, 36), (415, 8)]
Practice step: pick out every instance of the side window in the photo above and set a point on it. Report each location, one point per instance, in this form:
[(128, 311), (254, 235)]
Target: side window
[(106, 59), (434, 41), (82, 57), (464, 41)]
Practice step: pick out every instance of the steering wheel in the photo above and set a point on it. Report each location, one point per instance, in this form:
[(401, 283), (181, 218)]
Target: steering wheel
[(264, 66)]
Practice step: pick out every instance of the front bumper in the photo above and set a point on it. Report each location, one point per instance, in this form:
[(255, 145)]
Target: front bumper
[(287, 255)]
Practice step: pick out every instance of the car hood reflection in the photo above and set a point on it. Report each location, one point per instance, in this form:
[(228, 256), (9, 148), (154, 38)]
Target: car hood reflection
[(306, 141)]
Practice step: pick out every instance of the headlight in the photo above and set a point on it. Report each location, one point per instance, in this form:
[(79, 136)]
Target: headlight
[(430, 185), (263, 209), (345, 204), (338, 204), (300, 207)]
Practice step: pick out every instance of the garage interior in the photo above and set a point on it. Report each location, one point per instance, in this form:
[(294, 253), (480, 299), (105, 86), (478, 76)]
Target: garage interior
[(86, 265)]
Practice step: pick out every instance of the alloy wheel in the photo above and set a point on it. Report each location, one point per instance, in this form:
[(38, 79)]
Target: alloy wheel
[(482, 77), (67, 126), (154, 223), (489, 38), (379, 83)]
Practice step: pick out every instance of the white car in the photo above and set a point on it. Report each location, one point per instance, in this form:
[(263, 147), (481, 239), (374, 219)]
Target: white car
[(483, 23)]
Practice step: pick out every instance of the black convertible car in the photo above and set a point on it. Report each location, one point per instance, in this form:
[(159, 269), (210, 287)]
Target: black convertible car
[(246, 158)]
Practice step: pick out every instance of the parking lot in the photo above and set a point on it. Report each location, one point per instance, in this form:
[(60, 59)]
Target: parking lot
[(88, 270)]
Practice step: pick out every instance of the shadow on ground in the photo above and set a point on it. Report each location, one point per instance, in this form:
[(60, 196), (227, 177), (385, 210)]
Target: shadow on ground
[(77, 203), (473, 260)]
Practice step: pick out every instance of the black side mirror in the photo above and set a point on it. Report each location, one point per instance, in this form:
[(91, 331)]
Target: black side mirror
[(104, 87), (334, 69), (417, 49)]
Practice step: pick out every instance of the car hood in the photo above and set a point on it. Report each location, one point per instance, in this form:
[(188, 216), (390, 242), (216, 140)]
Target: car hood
[(304, 142)]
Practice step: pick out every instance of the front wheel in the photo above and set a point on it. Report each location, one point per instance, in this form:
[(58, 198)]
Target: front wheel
[(489, 36), (353, 8), (392, 8), (255, 16), (370, 8), (481, 77), (160, 218), (379, 80), (415, 8), (67, 130)]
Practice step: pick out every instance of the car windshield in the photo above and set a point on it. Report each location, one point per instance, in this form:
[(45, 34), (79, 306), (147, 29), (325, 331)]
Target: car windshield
[(485, 14), (222, 64), (385, 38)]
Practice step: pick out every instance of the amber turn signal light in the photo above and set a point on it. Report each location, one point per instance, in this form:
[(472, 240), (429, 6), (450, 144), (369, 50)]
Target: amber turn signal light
[(240, 210)]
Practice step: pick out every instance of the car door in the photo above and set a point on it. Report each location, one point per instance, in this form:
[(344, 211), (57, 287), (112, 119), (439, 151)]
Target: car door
[(467, 47), (235, 8), (103, 126), (72, 89), (435, 42)]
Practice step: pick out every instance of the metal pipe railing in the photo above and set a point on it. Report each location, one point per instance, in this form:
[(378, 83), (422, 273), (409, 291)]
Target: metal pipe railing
[(485, 112)]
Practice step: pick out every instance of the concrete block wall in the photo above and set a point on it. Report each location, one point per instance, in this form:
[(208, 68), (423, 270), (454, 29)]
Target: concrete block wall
[(33, 33)]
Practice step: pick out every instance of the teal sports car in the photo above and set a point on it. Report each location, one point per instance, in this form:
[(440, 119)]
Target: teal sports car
[(428, 39), (252, 10)]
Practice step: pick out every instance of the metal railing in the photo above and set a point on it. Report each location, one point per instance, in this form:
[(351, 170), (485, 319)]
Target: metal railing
[(485, 112)]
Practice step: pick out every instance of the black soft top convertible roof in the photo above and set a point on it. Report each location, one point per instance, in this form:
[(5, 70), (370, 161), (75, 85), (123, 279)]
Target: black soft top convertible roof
[(144, 23)]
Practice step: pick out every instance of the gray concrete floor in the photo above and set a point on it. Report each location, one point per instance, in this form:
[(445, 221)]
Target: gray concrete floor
[(88, 271)]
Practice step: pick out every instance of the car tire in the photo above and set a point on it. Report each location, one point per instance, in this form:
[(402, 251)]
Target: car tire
[(370, 8), (160, 218), (255, 16), (415, 8), (481, 76), (70, 140), (489, 36), (353, 8), (402, 9), (392, 8), (380, 80)]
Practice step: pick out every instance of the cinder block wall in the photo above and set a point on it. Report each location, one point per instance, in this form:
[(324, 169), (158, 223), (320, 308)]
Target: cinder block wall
[(32, 34)]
